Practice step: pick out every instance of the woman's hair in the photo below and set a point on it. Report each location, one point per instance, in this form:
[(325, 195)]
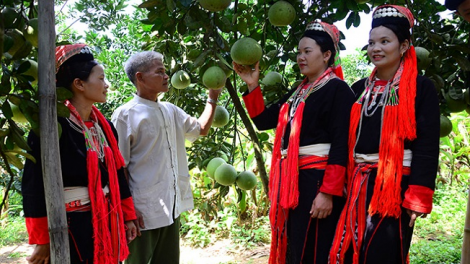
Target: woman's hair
[(141, 62), (325, 42), (402, 33), (72, 69)]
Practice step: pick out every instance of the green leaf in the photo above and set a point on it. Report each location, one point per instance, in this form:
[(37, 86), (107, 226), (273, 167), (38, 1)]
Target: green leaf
[(63, 94), (223, 60), (150, 3), (242, 202), (63, 110), (201, 59), (14, 160), (6, 110)]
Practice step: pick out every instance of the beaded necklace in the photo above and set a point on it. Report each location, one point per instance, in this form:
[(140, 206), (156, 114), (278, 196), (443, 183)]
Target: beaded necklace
[(306, 89), (94, 135)]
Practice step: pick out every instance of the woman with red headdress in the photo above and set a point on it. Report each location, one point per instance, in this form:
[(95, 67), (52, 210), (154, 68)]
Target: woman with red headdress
[(308, 165), (100, 210), (393, 148)]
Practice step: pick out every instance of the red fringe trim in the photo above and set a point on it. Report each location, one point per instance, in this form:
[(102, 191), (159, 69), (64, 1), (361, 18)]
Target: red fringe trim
[(338, 70), (290, 193)]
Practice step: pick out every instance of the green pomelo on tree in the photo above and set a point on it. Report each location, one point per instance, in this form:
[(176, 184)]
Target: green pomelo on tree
[(213, 165), (9, 17), (446, 126), (180, 79), (31, 32), (454, 105), (225, 174), (215, 5), (246, 51), (214, 78), (423, 58), (246, 180), (221, 117), (281, 13), (18, 40), (272, 78), (32, 70)]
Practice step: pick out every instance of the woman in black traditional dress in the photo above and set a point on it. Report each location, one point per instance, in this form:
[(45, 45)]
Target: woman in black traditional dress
[(393, 148), (100, 210), (308, 166)]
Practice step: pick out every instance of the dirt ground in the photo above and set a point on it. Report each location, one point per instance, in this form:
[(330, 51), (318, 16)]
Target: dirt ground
[(221, 252)]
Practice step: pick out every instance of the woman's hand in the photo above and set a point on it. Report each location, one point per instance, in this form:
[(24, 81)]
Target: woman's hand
[(413, 215), (322, 206), (131, 230), (40, 254), (249, 75)]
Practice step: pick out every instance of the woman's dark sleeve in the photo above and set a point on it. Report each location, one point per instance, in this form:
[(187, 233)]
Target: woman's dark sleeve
[(263, 117), (425, 149), (335, 171), (32, 188)]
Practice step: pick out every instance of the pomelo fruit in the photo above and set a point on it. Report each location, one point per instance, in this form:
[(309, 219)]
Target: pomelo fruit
[(18, 40), (215, 5), (446, 126), (225, 174), (246, 180), (281, 13), (31, 32), (221, 117), (246, 51), (32, 71), (455, 106), (214, 78), (213, 165), (180, 79), (272, 78), (422, 55), (9, 17)]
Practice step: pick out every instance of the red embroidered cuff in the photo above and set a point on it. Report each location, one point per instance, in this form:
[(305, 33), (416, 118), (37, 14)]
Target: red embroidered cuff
[(128, 210), (418, 198), (38, 230), (333, 180), (254, 102)]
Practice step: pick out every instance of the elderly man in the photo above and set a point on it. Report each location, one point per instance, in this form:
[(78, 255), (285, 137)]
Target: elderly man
[(462, 7), (152, 138)]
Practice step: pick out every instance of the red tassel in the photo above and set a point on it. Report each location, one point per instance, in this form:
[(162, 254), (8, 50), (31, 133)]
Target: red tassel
[(290, 197), (338, 70), (116, 202), (110, 136), (407, 95), (102, 248)]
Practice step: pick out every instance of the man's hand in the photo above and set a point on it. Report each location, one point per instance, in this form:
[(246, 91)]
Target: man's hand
[(139, 222), (40, 254), (131, 231), (322, 206)]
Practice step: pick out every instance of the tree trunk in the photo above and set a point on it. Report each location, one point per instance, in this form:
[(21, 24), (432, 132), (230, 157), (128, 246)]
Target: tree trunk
[(251, 131), (466, 236), (52, 172)]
